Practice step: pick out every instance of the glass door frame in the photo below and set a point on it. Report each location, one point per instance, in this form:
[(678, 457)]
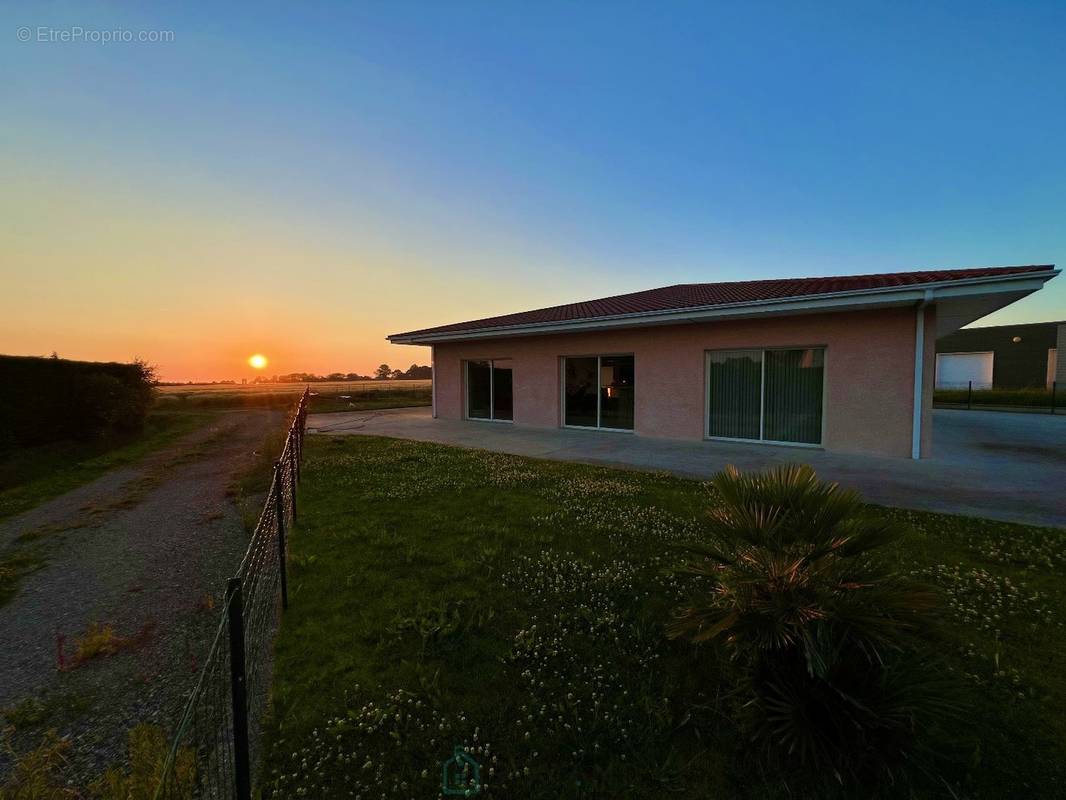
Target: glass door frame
[(599, 399), (492, 391), (762, 395)]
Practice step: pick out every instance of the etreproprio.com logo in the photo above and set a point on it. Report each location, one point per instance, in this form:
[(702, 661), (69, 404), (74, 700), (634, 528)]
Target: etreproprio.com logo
[(76, 34)]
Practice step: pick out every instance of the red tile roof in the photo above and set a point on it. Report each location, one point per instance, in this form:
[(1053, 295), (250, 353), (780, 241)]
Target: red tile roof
[(702, 295)]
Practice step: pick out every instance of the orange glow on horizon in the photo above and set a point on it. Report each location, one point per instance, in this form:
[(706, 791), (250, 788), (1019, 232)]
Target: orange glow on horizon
[(258, 361)]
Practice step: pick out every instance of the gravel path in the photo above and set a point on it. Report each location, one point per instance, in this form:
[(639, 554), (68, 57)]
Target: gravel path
[(146, 549)]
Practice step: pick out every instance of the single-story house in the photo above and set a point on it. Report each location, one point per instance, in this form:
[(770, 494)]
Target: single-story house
[(1005, 356), (843, 363)]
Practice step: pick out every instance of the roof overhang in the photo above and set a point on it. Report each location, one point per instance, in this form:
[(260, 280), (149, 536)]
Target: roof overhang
[(959, 302)]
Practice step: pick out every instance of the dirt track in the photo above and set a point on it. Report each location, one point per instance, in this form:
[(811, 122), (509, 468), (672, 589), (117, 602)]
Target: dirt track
[(146, 549)]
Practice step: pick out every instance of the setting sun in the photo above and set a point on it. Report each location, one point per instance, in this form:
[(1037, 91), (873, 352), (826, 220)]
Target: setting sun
[(258, 361)]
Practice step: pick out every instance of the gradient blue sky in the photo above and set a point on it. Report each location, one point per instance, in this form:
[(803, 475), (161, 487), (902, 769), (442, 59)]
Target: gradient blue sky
[(303, 180)]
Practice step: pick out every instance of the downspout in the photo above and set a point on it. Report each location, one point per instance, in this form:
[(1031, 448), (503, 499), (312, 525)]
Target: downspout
[(919, 374), (433, 378)]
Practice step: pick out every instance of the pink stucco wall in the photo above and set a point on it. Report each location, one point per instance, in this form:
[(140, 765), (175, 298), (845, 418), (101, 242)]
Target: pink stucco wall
[(869, 373)]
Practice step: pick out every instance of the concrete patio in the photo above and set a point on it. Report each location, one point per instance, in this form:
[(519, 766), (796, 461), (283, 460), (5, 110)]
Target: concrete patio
[(997, 465)]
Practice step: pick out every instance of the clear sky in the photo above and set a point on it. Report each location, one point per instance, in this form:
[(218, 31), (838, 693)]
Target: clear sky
[(302, 181)]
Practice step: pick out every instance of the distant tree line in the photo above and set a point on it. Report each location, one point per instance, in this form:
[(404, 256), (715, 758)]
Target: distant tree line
[(382, 373), (197, 383), (414, 373), (52, 399)]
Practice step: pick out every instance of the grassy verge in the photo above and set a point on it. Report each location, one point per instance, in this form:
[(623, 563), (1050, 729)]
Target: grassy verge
[(34, 761), (222, 401), (370, 400), (248, 489), (15, 564), (30, 476), (1035, 398), (442, 597)]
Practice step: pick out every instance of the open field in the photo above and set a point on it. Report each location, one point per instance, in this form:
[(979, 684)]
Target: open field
[(447, 597), (324, 387), (325, 396)]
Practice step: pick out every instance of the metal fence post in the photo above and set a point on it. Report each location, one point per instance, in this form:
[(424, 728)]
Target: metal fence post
[(279, 513), (242, 770), (969, 394), (1054, 387)]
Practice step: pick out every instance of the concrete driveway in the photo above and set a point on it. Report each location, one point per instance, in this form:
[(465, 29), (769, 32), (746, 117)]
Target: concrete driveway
[(987, 464)]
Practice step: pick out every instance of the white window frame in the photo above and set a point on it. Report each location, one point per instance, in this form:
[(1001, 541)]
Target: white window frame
[(599, 400), (492, 391), (820, 444)]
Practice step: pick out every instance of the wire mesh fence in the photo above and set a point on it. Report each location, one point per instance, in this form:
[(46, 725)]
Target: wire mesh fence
[(215, 748)]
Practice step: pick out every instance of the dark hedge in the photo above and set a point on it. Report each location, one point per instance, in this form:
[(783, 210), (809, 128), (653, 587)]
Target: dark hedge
[(50, 399)]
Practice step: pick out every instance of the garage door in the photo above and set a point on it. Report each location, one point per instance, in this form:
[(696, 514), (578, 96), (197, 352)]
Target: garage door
[(957, 370)]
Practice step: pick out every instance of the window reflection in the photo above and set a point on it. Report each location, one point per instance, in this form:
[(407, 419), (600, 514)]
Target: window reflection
[(616, 392), (489, 390), (769, 395), (599, 392), (478, 389), (581, 389), (502, 390)]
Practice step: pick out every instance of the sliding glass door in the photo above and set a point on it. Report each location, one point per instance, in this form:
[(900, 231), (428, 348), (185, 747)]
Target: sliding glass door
[(502, 390), (793, 386), (479, 389), (616, 392), (582, 392), (766, 395), (735, 390), (598, 392), (489, 390)]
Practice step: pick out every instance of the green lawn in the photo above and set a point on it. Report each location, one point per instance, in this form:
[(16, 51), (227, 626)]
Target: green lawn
[(444, 597)]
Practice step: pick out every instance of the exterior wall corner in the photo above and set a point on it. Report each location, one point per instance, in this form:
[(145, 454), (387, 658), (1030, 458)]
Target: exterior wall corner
[(928, 382)]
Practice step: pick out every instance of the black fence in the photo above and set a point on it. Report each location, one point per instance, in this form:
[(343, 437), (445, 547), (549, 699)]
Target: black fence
[(216, 745), (1041, 399)]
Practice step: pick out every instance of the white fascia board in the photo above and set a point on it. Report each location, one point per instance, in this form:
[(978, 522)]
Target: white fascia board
[(836, 301)]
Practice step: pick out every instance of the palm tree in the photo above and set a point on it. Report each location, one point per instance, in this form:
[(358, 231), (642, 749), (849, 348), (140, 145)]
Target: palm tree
[(792, 585)]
